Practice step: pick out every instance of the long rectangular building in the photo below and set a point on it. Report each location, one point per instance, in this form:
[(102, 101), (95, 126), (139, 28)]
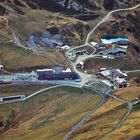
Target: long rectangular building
[(57, 73), (58, 76)]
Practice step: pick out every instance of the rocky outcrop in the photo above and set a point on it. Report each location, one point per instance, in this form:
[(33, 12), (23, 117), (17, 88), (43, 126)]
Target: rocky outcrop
[(2, 10), (70, 6), (64, 6), (114, 4), (72, 31), (108, 4)]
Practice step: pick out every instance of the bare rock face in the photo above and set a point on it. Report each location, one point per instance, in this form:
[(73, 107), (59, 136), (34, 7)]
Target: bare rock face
[(108, 4), (2, 10), (81, 12), (67, 6), (114, 4)]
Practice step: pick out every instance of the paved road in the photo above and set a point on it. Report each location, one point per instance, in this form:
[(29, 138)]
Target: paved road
[(132, 71), (85, 119), (85, 78), (122, 120), (42, 90), (60, 84), (108, 17), (33, 94)]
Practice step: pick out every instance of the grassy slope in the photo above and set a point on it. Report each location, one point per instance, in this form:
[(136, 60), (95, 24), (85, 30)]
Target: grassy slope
[(121, 63), (49, 115), (13, 57), (38, 21), (107, 117), (19, 90), (102, 121), (130, 129), (130, 93)]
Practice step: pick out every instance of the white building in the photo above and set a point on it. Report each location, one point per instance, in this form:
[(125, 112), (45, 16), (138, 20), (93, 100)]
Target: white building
[(1, 67), (65, 47), (34, 76), (115, 76), (93, 43)]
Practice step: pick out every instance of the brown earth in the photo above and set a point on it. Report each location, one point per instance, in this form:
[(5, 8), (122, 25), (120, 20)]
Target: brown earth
[(106, 118), (49, 115)]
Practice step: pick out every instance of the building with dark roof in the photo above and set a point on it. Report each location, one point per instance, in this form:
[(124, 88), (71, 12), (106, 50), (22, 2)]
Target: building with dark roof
[(117, 52), (81, 52), (57, 73), (58, 76), (123, 42), (115, 76)]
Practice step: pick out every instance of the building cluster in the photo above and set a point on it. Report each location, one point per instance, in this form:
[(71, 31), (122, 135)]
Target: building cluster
[(112, 46), (46, 39), (115, 76), (56, 73)]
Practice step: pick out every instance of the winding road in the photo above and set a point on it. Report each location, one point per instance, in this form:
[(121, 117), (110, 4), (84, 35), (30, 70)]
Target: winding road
[(86, 78), (122, 119), (107, 18), (132, 71), (85, 119)]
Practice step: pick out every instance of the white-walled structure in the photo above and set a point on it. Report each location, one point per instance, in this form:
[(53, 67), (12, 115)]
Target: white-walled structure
[(1, 67)]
